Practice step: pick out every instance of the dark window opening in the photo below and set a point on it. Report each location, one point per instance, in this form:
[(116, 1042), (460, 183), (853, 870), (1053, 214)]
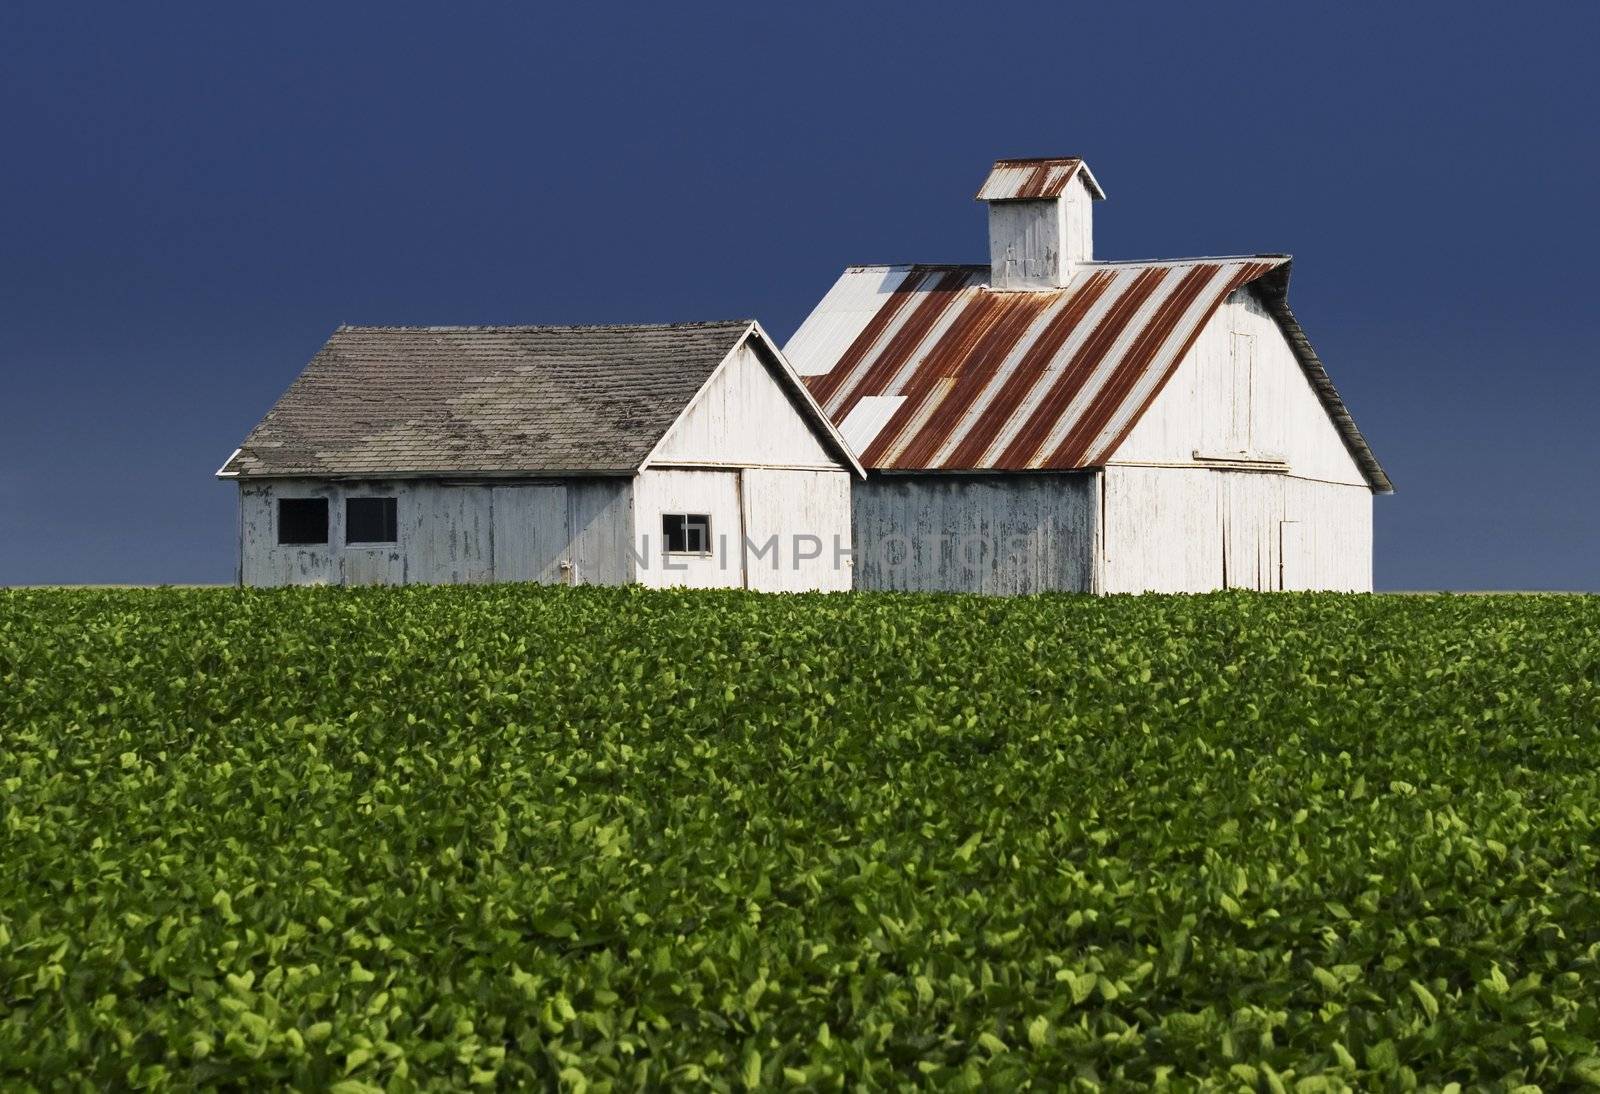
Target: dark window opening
[(686, 533), (370, 520), (302, 520)]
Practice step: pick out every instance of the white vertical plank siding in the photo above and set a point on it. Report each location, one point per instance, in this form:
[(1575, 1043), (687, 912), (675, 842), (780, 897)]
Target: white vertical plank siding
[(1333, 537), (1038, 243), (1027, 241), (600, 523), (1180, 530), (995, 533), (1078, 231), (714, 493), (262, 561), (373, 564), (1243, 353), (449, 532), (744, 416), (1196, 410), (791, 516), (1163, 530), (1252, 518)]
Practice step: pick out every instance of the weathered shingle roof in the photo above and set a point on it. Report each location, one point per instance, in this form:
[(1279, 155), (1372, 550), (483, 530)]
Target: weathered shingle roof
[(1050, 379), (485, 400)]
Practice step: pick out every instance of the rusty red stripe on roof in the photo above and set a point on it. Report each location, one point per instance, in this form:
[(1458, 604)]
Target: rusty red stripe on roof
[(1029, 179), (1077, 374), (1100, 351), (948, 353), (1016, 316), (1243, 277), (943, 294), (1028, 371), (1133, 364), (1035, 184), (824, 386)]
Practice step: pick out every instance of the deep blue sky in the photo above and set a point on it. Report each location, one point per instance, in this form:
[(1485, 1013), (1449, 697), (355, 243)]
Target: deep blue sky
[(192, 198)]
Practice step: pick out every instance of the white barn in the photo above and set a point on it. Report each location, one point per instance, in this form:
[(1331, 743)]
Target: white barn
[(1053, 421), (679, 455)]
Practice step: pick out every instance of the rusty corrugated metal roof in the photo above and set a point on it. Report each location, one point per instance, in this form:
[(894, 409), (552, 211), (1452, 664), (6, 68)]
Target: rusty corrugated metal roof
[(1024, 180), (1018, 381)]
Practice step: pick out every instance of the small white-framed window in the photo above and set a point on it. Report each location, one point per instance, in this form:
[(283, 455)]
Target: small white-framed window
[(371, 521), (686, 533), (302, 521)]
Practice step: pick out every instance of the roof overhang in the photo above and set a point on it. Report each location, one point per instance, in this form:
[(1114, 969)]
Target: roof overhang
[(386, 474), (1273, 287)]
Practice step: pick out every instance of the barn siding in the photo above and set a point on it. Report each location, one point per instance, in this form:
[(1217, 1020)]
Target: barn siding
[(744, 417), (1191, 530), (809, 514), (714, 493), (1035, 244), (975, 533), (529, 533), (449, 533), (262, 561), (600, 523), (1241, 389), (1330, 545), (1162, 530)]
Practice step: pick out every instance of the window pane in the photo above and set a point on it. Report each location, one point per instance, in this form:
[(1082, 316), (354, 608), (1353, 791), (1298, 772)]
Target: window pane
[(697, 531), (686, 534), (672, 532), (302, 520), (370, 520)]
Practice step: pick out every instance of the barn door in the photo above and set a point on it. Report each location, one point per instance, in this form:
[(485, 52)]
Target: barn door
[(1252, 514), (531, 535)]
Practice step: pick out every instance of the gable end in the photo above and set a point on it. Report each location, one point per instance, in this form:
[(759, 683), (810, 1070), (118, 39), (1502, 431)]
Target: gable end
[(1274, 290)]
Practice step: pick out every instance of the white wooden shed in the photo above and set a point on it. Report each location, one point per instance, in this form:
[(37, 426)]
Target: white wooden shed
[(676, 455), (1053, 421)]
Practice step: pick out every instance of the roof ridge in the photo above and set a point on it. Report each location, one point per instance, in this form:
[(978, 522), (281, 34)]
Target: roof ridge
[(918, 265), (1255, 257), (444, 328), (1039, 159)]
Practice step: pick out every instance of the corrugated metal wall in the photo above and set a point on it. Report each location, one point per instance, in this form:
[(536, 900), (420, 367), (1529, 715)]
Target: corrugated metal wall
[(1006, 533)]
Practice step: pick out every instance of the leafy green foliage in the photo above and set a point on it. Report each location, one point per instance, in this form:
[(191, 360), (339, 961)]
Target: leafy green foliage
[(364, 839)]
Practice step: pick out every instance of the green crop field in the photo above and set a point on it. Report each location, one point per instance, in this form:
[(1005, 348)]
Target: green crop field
[(363, 839)]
